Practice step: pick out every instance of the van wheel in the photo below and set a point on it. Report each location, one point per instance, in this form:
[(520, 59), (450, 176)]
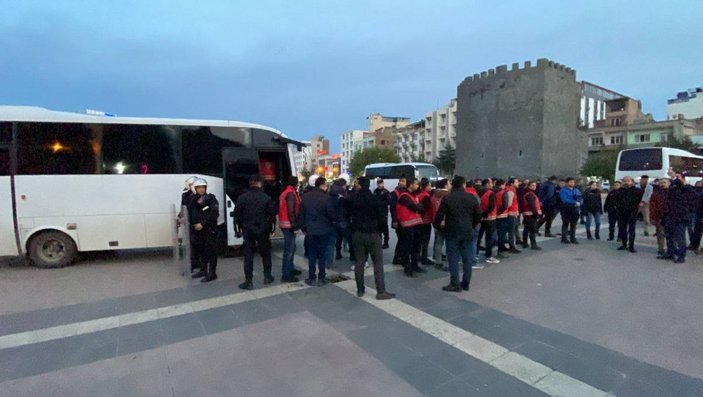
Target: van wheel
[(52, 249)]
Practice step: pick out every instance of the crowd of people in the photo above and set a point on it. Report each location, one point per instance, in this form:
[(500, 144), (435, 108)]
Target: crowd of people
[(466, 217)]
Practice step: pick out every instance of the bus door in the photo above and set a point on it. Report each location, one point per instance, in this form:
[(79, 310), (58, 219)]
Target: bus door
[(9, 240), (239, 164)]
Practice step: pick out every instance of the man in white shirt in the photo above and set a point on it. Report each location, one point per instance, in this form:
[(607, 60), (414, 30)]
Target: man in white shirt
[(644, 204)]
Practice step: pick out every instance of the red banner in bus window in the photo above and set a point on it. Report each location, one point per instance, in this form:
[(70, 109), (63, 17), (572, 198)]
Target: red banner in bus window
[(267, 168)]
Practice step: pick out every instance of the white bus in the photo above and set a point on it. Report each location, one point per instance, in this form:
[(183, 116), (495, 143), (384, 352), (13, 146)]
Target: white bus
[(656, 161), (72, 182), (391, 172)]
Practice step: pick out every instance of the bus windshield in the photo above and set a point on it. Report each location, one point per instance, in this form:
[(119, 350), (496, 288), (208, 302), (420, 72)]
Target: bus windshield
[(640, 160), (427, 171)]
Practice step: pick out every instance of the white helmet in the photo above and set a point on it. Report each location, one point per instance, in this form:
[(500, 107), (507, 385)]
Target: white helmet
[(189, 183), (312, 179), (199, 182), (345, 176)]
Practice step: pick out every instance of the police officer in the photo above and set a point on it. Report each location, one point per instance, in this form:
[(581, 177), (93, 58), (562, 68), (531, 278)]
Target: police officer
[(204, 213), (255, 220), (184, 218)]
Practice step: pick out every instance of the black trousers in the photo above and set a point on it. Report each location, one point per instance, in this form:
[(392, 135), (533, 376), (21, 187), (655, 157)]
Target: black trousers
[(262, 244), (204, 249), (569, 220), (626, 230), (425, 236), (547, 221), (612, 222), (409, 247), (530, 229), (489, 229), (366, 244), (396, 254), (385, 231)]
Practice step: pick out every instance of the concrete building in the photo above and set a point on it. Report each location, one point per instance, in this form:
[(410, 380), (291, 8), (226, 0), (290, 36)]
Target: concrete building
[(302, 158), (410, 141), (349, 140), (328, 165), (639, 134), (377, 121), (319, 146), (686, 105), (522, 121), (440, 131), (593, 98)]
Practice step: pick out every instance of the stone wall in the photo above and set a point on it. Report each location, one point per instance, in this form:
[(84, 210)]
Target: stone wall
[(520, 122)]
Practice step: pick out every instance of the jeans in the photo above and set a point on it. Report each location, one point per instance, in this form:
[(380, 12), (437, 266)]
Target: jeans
[(288, 253), (473, 249), (438, 245), (661, 238), (590, 216), (506, 232), (318, 246), (459, 249), (676, 238)]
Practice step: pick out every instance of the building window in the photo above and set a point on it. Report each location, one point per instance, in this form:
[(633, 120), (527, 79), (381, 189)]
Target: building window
[(642, 138), (383, 142), (665, 137), (596, 141), (615, 122), (616, 140)]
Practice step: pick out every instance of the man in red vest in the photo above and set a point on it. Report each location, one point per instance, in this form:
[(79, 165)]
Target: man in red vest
[(531, 215), (424, 195), (409, 213), (288, 209), (489, 213), (395, 195)]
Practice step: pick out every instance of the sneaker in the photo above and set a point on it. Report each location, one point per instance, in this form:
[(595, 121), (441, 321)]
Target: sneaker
[(465, 285), (477, 266), (492, 260), (419, 270), (246, 285), (360, 293), (384, 295), (296, 272), (664, 256), (632, 249), (322, 282), (451, 288), (680, 259), (514, 251), (409, 273), (564, 241), (574, 241), (536, 247), (208, 278), (268, 279), (501, 255), (549, 235), (201, 273), (291, 279), (310, 281)]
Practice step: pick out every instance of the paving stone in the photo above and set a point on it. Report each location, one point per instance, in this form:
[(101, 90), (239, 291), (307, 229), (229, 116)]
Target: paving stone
[(218, 320)]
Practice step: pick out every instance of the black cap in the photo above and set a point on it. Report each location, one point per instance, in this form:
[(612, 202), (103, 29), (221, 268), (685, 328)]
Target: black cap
[(379, 180)]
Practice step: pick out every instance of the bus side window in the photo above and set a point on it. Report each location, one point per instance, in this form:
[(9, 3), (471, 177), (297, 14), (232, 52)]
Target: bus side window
[(4, 161), (56, 148)]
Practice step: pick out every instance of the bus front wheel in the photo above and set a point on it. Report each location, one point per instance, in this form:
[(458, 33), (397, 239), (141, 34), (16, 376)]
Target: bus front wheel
[(52, 249)]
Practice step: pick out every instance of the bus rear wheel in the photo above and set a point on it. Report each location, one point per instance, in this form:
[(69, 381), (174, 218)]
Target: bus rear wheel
[(52, 249)]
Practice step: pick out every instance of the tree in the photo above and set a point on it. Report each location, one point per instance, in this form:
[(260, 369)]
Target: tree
[(369, 156), (683, 143), (601, 164), (446, 161)]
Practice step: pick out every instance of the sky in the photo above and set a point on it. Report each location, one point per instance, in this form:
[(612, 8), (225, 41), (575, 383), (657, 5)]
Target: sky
[(321, 67)]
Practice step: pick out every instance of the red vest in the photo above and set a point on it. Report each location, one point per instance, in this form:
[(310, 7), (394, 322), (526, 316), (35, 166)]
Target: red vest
[(514, 209), (428, 215), (528, 210), (499, 203), (471, 190), (484, 206), (283, 221), (406, 216)]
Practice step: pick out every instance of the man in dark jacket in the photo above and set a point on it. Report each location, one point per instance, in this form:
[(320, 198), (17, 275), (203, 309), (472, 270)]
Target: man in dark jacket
[(627, 201), (457, 216), (339, 195), (384, 196), (204, 212), (610, 207), (368, 212), (316, 218), (255, 220), (548, 198), (593, 207), (678, 205)]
